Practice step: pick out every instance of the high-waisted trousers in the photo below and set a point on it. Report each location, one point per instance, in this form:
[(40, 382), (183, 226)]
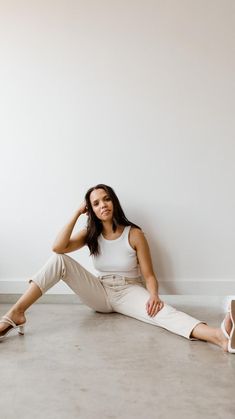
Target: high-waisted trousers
[(111, 293)]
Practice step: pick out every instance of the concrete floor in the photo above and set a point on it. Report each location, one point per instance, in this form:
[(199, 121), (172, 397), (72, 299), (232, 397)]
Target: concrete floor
[(76, 363)]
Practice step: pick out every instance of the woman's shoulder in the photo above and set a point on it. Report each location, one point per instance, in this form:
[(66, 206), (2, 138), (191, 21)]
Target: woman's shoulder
[(134, 229), (136, 232), (136, 235)]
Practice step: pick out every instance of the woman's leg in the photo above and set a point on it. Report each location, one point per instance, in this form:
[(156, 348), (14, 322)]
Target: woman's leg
[(132, 303), (212, 334), (61, 266)]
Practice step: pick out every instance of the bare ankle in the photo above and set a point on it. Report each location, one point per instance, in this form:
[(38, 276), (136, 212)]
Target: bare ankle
[(16, 310), (17, 315), (221, 340)]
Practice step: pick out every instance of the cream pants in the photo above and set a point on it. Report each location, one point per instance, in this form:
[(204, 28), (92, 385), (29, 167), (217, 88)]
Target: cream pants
[(111, 293)]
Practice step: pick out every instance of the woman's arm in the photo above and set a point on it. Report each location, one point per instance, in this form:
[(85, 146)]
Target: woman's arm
[(141, 246), (63, 243)]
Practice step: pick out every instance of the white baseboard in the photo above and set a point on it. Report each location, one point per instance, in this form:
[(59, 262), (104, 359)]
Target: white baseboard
[(198, 287), (175, 287), (205, 293)]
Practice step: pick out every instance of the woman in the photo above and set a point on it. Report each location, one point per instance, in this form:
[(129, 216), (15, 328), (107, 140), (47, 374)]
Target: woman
[(125, 282)]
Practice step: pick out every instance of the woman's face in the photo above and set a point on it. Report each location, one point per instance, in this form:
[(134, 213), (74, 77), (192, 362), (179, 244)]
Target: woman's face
[(101, 204)]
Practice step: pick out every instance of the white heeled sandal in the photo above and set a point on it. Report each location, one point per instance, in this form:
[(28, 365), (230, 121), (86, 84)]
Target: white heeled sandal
[(12, 326), (224, 330), (231, 337)]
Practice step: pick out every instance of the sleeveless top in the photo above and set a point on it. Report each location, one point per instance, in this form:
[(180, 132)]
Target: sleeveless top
[(116, 256)]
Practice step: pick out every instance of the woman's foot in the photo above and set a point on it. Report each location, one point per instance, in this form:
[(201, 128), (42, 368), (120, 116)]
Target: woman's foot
[(221, 340), (16, 316)]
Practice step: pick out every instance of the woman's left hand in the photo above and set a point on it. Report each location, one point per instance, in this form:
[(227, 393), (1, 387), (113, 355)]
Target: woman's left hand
[(154, 305)]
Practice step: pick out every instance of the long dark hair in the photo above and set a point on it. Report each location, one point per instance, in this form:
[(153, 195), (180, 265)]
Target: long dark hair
[(94, 225)]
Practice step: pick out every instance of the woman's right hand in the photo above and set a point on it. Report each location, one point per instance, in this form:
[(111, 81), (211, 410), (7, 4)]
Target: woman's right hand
[(83, 208)]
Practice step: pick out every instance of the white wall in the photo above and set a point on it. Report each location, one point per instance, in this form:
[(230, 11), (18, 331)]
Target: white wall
[(135, 94)]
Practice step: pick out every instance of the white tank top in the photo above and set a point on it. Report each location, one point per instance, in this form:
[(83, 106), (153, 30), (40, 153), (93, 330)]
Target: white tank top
[(117, 256)]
